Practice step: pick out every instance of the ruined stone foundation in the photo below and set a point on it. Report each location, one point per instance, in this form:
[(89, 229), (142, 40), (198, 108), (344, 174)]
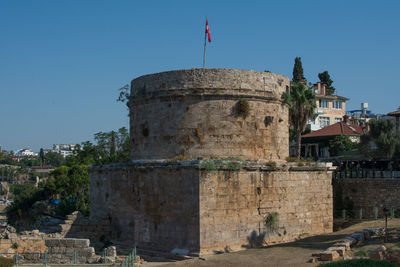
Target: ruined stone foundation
[(162, 206)]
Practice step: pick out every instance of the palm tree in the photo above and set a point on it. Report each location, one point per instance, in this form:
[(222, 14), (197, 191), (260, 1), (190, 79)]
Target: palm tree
[(301, 100)]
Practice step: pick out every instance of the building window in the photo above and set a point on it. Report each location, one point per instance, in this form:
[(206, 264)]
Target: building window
[(324, 121), (338, 120), (323, 103), (337, 104)]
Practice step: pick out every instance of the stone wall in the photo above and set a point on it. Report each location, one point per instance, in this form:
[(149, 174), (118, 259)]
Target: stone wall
[(156, 207), (366, 193), (194, 113), (31, 248), (234, 205), (163, 206)]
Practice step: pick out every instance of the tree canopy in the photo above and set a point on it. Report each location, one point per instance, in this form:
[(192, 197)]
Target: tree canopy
[(325, 78), (380, 141), (340, 144), (301, 100)]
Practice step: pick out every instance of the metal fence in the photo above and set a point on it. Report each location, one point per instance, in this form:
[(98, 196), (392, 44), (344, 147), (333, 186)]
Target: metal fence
[(366, 173), (366, 213), (48, 259)]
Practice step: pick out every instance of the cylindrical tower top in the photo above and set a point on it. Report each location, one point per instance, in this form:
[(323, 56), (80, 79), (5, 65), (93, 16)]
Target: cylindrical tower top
[(209, 113)]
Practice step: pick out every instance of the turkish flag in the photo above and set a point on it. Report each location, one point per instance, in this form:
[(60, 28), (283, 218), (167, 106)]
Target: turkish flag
[(208, 31)]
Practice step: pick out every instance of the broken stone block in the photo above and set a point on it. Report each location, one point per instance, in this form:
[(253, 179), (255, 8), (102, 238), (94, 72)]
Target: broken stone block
[(345, 244), (358, 237), (350, 239), (112, 251), (376, 255), (35, 232), (12, 235), (340, 250), (329, 256)]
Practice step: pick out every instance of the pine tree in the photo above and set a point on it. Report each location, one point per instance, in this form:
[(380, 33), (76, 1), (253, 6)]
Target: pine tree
[(298, 75), (325, 78)]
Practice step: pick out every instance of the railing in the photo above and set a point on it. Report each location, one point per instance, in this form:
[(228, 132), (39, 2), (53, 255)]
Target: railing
[(366, 173), (366, 213), (48, 259)]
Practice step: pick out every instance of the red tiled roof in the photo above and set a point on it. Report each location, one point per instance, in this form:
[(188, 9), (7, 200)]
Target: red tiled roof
[(394, 113), (339, 128)]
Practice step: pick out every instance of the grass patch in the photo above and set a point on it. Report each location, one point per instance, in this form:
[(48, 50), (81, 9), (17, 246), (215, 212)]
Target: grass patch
[(359, 263), (4, 262)]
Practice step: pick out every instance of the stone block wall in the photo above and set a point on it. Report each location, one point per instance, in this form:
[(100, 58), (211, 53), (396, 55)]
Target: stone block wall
[(194, 113), (156, 207), (234, 205), (162, 206), (31, 249), (62, 250), (366, 193)]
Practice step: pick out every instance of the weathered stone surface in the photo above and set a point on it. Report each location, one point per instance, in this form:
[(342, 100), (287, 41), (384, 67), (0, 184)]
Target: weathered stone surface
[(341, 250), (162, 207), (329, 256), (345, 243), (193, 113), (368, 194), (358, 236)]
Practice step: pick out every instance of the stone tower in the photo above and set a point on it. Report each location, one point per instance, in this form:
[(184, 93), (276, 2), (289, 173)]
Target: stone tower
[(196, 113), (208, 166)]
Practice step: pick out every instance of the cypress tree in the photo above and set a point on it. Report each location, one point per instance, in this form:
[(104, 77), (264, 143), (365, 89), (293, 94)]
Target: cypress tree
[(298, 75)]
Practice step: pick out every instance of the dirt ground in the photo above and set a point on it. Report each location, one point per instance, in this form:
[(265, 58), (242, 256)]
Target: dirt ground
[(290, 254)]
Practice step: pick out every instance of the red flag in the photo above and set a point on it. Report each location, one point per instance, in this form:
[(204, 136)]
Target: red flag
[(208, 31)]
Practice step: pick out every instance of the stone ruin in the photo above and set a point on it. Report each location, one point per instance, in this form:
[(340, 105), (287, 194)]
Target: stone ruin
[(208, 170)]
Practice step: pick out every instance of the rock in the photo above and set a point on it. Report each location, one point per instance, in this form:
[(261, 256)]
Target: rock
[(180, 251), (312, 260), (12, 236), (345, 244), (329, 256), (340, 250), (381, 248), (376, 255), (350, 239), (94, 259), (35, 232), (112, 251), (358, 236)]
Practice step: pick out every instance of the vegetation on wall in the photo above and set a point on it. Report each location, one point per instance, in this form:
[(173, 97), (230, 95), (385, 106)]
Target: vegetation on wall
[(272, 222), (243, 107)]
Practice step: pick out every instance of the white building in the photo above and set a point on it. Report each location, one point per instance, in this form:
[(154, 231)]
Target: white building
[(25, 152)]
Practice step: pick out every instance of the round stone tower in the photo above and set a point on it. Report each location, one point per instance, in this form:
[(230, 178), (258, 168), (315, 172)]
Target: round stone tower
[(209, 114)]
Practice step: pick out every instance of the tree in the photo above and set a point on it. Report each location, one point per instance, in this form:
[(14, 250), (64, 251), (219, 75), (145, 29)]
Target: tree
[(325, 78), (301, 100), (41, 155), (339, 144), (298, 75), (380, 141), (54, 159)]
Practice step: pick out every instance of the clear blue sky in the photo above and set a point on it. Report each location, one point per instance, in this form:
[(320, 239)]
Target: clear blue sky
[(61, 62)]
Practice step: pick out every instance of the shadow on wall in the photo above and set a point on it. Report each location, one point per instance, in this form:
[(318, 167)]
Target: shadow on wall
[(255, 240)]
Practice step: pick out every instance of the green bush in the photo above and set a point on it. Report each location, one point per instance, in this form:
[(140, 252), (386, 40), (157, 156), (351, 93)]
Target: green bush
[(243, 107)]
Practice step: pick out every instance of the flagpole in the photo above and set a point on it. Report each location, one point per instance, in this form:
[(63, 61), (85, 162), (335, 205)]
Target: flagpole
[(204, 54)]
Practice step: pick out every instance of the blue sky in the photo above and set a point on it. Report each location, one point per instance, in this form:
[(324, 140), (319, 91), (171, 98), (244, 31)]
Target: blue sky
[(61, 62)]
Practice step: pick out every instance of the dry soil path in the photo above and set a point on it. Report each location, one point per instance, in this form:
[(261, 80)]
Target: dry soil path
[(290, 254)]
